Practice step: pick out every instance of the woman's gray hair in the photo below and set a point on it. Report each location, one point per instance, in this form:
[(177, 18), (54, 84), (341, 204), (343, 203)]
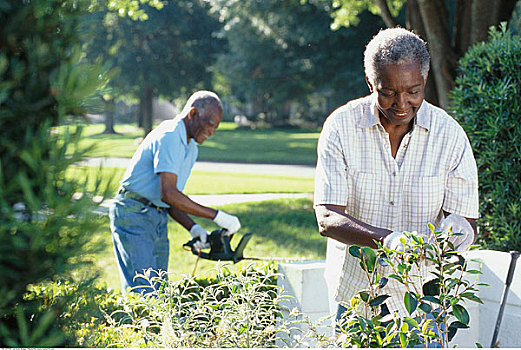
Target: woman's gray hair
[(202, 100), (395, 46)]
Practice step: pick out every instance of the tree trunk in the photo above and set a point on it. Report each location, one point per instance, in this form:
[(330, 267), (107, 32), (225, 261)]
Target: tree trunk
[(435, 18), (148, 96), (140, 112), (415, 22), (462, 27), (486, 13), (385, 13), (110, 111)]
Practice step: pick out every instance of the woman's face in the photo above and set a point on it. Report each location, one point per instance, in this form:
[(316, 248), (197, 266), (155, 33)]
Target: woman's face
[(401, 90)]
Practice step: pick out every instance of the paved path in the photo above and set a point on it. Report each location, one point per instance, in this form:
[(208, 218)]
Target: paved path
[(221, 199), (247, 168)]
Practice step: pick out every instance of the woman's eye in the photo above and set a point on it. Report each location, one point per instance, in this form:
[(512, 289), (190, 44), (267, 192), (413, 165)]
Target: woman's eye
[(387, 94)]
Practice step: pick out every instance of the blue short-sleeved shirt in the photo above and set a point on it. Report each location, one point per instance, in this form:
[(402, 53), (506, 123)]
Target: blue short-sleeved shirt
[(165, 149)]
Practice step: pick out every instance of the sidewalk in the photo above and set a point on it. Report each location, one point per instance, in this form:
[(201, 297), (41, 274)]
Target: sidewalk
[(247, 168), (222, 199), (214, 200)]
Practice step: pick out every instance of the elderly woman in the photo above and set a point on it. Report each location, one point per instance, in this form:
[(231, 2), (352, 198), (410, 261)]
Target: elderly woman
[(390, 162)]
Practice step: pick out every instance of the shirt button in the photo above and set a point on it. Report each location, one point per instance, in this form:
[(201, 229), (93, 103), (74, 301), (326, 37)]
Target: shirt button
[(391, 202), (394, 173)]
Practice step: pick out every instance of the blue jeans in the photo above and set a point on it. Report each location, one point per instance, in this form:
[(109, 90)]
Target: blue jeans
[(341, 324), (140, 239)]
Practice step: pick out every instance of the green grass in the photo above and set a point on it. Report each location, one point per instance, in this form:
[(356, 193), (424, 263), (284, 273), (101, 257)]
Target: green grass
[(229, 144), (281, 228), (202, 182)]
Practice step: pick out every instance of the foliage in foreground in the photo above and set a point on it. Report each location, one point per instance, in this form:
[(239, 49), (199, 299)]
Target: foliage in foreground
[(240, 309), (486, 102), (435, 277), (43, 226)]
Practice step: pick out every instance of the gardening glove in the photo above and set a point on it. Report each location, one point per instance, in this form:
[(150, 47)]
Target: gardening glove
[(198, 232), (229, 222), (393, 240), (458, 224)]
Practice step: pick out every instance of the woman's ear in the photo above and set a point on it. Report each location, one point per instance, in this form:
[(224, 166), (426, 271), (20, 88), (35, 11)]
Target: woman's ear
[(369, 84)]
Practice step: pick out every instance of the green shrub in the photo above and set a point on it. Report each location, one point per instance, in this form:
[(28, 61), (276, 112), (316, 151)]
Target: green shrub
[(486, 101), (231, 309), (43, 229)]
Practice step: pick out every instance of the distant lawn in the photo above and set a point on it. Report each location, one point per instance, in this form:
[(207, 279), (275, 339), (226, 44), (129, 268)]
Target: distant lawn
[(229, 144), (203, 182), (281, 228)]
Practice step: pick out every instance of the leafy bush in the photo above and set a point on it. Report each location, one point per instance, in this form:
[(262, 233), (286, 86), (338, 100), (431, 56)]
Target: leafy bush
[(486, 101), (228, 310), (435, 279), (43, 229)]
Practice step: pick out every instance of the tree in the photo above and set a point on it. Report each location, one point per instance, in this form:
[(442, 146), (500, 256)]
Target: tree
[(450, 28), (168, 54), (284, 51)]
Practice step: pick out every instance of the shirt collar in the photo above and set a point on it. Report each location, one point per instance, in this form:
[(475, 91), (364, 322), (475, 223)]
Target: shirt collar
[(184, 138), (370, 117)]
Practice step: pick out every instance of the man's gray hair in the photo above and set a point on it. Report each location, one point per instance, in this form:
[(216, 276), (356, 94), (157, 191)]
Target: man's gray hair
[(395, 46), (202, 100)]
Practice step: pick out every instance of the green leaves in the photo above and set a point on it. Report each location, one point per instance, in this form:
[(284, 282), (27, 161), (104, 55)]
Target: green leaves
[(489, 85), (439, 298), (410, 301), (461, 314)]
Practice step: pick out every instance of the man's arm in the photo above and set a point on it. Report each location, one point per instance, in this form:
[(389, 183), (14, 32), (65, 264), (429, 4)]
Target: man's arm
[(333, 222), (176, 199), (181, 217)]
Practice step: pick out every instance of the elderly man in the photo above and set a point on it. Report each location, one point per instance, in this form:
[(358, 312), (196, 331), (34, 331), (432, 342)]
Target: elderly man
[(152, 187), (390, 162)]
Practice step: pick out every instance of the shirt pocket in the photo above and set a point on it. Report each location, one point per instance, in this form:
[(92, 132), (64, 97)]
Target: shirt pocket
[(366, 195), (423, 199)]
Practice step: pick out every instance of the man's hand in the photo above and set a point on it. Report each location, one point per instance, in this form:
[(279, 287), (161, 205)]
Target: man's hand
[(229, 222), (458, 224), (198, 231)]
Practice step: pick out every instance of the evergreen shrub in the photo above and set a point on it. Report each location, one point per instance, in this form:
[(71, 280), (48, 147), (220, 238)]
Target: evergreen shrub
[(44, 223), (486, 101)]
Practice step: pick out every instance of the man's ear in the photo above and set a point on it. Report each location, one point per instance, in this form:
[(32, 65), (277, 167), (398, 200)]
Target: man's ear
[(369, 84), (192, 112)]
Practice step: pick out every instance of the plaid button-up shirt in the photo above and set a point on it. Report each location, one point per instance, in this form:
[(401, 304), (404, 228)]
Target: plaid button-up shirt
[(434, 170)]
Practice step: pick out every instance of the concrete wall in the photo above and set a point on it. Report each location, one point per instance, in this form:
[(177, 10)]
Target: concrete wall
[(305, 283)]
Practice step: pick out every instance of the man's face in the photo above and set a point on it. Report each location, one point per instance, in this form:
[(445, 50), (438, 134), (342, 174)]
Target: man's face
[(204, 126), (401, 90)]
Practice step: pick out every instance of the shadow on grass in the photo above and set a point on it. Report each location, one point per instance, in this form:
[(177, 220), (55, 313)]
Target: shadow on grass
[(288, 224)]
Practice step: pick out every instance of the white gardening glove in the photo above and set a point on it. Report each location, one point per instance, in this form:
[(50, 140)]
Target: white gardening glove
[(229, 222), (393, 240), (198, 231), (458, 224)]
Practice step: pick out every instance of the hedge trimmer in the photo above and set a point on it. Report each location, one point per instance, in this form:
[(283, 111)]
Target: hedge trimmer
[(220, 249)]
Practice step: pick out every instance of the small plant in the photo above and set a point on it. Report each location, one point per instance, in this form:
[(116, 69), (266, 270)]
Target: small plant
[(434, 277)]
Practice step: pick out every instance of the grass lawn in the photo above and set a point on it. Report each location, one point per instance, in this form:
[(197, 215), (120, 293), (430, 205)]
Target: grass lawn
[(229, 144), (203, 182), (281, 228)]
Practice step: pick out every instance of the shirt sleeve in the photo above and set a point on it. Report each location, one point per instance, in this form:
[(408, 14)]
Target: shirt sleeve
[(169, 153), (461, 192), (330, 176)]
